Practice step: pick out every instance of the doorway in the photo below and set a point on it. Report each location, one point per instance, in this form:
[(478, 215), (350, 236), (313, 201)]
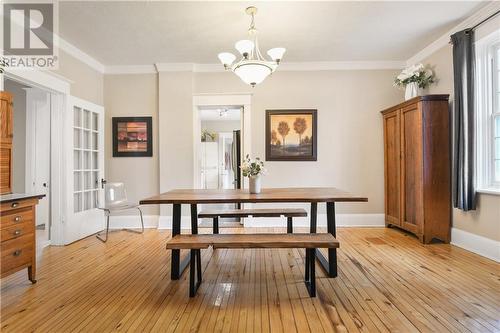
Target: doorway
[(32, 151), (220, 152), (75, 153)]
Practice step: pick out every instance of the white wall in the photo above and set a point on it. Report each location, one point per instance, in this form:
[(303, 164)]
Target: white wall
[(350, 149), (86, 82), (127, 96), (19, 139), (220, 125)]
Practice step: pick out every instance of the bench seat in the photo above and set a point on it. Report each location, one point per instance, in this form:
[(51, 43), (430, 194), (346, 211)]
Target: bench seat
[(289, 213), (198, 242), (240, 241), (258, 212)]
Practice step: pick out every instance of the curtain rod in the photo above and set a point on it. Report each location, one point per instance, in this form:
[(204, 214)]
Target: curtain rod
[(486, 19), (478, 24)]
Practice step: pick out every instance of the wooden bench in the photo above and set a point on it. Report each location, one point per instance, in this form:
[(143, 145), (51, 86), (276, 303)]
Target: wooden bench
[(239, 241), (289, 213)]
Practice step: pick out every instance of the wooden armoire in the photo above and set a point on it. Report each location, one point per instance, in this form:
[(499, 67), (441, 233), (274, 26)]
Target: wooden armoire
[(418, 167), (6, 130)]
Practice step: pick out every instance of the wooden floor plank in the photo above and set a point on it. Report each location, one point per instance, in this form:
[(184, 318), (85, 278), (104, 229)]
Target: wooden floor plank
[(387, 281)]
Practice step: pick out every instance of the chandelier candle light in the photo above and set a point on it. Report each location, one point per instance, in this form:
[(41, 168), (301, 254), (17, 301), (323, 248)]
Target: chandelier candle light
[(253, 68)]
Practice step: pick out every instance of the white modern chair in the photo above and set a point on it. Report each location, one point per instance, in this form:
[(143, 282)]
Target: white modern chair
[(115, 199)]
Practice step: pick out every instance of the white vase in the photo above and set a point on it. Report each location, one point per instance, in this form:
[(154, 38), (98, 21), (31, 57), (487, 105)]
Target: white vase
[(255, 184), (411, 90)]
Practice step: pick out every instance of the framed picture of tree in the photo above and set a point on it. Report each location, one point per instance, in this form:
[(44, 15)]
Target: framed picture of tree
[(132, 136), (291, 135)]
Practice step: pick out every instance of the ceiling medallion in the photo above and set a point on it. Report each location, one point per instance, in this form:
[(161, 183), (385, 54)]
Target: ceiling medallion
[(252, 68)]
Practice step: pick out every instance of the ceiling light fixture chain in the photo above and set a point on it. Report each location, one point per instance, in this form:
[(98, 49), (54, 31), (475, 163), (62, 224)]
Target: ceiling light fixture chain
[(252, 68)]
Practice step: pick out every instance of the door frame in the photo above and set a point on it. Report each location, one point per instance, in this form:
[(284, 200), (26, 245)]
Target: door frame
[(60, 90), (203, 100)]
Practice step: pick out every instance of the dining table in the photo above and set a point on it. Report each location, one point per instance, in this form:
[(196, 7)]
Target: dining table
[(308, 195)]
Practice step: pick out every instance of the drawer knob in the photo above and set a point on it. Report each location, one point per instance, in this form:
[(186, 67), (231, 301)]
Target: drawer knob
[(14, 204), (17, 253), (17, 232), (17, 218)]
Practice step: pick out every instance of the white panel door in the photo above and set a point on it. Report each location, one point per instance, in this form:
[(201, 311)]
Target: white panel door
[(85, 169), (38, 104)]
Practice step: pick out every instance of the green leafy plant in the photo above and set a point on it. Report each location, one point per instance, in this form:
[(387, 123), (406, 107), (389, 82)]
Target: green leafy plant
[(207, 136), (252, 168), (418, 74)]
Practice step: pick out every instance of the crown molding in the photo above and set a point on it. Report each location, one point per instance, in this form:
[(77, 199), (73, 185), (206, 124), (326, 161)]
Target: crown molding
[(175, 67), (442, 41), (80, 55), (286, 66), (137, 69), (341, 65)]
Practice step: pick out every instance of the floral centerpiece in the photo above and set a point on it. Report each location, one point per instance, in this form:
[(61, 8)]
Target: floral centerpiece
[(413, 78), (253, 169)]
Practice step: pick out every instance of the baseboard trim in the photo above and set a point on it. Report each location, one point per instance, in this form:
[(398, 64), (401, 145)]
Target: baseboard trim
[(483, 246), (132, 221)]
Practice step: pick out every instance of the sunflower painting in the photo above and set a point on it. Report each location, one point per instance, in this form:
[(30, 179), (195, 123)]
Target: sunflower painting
[(291, 135)]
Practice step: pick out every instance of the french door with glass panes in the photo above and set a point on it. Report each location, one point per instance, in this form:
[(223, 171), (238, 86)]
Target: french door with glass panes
[(85, 167)]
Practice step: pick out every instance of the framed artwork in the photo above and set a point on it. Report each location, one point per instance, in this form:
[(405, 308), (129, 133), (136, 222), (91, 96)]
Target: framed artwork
[(132, 136), (291, 135)]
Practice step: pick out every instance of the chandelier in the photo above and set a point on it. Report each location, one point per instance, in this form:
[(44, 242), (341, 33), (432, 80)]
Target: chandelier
[(252, 68)]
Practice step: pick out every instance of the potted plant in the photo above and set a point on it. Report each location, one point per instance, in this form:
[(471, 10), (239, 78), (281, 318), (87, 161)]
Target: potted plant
[(414, 78), (253, 169)]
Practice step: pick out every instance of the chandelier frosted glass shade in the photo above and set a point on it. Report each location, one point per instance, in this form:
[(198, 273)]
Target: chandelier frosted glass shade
[(226, 58), (244, 46), (252, 68), (253, 72), (277, 53)]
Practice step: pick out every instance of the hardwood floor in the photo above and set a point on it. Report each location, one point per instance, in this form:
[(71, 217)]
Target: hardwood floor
[(387, 281)]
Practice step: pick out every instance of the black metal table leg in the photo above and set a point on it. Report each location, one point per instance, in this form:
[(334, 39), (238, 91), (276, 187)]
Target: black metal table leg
[(216, 225), (194, 219), (289, 225), (176, 230), (329, 264), (312, 227)]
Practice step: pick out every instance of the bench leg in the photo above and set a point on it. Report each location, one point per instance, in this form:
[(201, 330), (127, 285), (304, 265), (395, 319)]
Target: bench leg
[(289, 225), (310, 272), (216, 225), (176, 266), (312, 227), (194, 272)]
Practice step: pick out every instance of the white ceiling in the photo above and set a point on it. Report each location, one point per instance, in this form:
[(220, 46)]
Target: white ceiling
[(215, 114), (144, 33)]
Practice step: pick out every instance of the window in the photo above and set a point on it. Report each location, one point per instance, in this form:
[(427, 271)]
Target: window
[(488, 113), (496, 115)]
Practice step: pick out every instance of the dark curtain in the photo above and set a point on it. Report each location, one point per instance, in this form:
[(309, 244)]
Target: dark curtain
[(463, 183)]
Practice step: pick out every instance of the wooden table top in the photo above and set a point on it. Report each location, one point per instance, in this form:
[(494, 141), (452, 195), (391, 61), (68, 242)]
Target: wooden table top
[(291, 194)]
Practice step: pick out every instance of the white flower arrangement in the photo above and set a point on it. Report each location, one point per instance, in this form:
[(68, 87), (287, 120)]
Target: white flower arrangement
[(417, 74), (252, 168)]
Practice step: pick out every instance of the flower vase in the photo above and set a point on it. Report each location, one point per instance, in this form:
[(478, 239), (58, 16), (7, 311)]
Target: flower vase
[(411, 90), (255, 184)]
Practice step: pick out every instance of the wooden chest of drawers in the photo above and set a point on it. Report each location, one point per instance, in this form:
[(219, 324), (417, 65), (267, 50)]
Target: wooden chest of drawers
[(17, 235)]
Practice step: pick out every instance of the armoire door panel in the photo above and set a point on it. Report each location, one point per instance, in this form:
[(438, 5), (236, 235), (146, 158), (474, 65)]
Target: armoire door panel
[(411, 166), (392, 161)]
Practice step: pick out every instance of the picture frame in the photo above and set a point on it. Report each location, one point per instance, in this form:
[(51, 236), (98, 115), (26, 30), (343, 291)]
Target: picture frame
[(132, 136), (300, 127)]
